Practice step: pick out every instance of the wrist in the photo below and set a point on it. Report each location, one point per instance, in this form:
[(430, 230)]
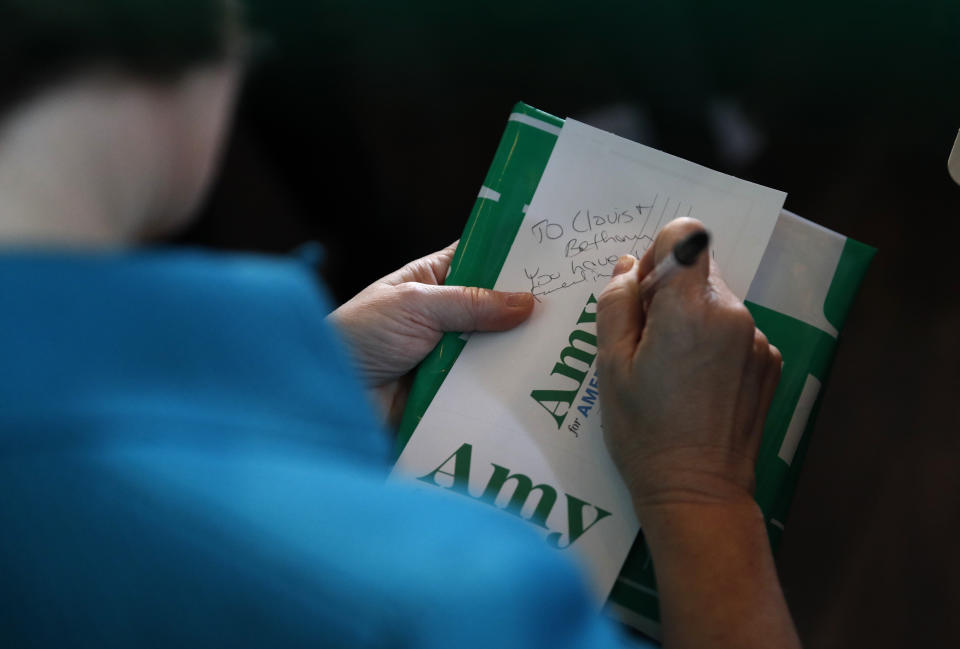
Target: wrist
[(690, 476), (716, 575), (684, 511), (677, 530)]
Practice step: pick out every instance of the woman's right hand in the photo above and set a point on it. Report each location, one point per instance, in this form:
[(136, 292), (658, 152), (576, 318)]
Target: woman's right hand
[(686, 380)]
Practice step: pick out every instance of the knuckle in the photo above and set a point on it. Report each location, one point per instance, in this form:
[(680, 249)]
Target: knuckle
[(741, 314), (775, 356), (760, 343), (473, 297), (736, 324), (741, 320), (609, 296), (410, 292), (727, 310)]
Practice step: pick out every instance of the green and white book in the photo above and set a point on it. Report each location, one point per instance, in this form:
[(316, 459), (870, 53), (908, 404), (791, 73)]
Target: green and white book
[(514, 423)]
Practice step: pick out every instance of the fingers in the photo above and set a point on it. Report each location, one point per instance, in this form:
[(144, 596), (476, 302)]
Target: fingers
[(431, 269), (439, 263), (441, 260), (771, 379), (468, 308), (619, 316), (753, 376), (765, 362), (620, 308)]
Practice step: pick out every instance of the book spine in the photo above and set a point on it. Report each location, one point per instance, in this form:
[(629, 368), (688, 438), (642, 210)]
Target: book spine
[(503, 198)]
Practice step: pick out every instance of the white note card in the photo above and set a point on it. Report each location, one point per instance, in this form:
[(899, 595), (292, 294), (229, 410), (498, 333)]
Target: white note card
[(516, 423)]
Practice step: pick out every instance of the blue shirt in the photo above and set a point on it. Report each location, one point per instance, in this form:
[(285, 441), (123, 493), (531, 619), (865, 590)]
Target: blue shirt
[(186, 459)]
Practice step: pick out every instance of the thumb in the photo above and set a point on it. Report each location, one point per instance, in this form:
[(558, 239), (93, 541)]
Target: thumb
[(693, 277), (468, 308)]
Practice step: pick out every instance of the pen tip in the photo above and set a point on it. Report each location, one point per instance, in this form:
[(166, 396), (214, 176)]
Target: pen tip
[(687, 251)]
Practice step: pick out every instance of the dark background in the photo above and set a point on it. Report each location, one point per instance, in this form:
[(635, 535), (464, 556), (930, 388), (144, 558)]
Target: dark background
[(369, 126)]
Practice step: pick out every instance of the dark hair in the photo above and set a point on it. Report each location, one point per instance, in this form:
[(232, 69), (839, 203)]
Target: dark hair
[(44, 40)]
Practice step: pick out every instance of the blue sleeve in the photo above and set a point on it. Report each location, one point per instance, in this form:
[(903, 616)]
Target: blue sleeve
[(154, 545), (186, 460)]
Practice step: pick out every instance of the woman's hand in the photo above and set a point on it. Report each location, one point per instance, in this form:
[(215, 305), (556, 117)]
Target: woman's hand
[(687, 380), (395, 322)]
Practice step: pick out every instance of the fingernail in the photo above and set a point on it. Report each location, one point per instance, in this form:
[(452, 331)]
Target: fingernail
[(519, 299), (624, 264)]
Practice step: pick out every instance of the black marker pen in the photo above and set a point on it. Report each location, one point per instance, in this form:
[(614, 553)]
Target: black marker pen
[(684, 255)]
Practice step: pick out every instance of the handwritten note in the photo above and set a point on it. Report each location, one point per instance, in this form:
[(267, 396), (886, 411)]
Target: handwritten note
[(602, 196), (516, 424)]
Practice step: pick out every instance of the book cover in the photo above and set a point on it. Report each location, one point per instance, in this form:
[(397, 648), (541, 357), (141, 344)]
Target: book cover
[(560, 247)]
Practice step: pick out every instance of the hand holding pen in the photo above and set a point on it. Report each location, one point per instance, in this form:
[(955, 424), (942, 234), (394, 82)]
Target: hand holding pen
[(686, 380)]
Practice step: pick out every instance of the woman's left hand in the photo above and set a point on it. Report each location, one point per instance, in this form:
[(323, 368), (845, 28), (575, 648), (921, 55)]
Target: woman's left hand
[(395, 322)]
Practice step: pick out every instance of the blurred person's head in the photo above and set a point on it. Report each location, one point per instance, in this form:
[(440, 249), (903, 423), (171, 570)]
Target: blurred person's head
[(112, 114)]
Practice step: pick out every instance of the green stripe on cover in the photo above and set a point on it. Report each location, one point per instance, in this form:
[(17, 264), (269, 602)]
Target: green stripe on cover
[(514, 174)]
